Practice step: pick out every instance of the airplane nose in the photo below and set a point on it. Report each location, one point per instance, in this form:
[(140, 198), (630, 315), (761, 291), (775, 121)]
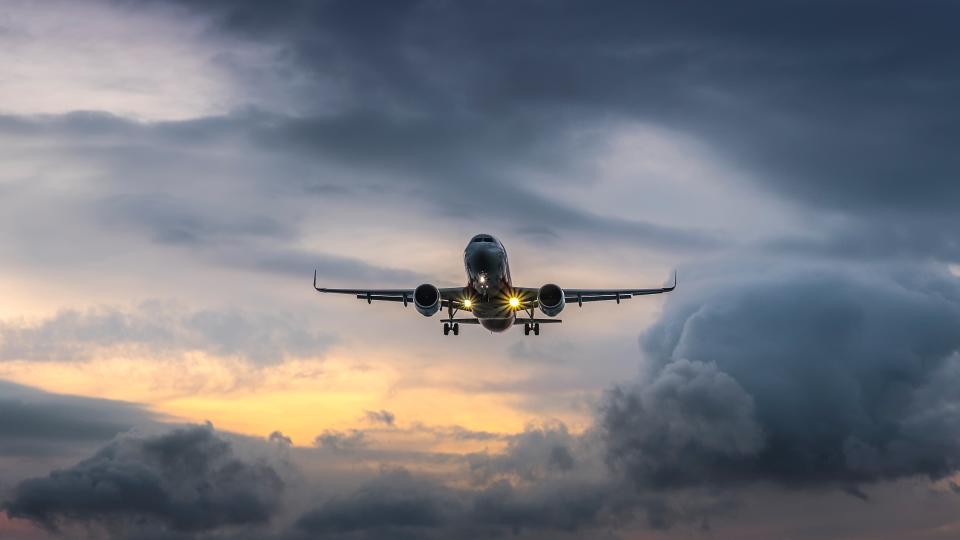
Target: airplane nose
[(485, 261)]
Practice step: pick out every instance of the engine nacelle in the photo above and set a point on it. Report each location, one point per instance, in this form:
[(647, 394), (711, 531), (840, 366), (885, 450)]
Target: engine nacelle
[(551, 299), (426, 298)]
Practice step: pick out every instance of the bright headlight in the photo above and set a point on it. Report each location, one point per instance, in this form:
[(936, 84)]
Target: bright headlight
[(514, 302), (467, 303)]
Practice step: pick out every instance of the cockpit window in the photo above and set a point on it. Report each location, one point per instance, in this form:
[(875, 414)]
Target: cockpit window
[(483, 239)]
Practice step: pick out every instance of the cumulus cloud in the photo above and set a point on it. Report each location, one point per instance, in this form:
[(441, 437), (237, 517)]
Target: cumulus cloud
[(805, 378), (186, 480)]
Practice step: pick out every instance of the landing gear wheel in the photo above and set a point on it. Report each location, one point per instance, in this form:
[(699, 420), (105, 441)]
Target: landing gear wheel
[(526, 329), (456, 329), (536, 329), (446, 329)]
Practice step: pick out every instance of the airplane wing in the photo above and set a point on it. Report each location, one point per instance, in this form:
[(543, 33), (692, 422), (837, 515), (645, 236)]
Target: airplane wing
[(391, 295), (597, 295)]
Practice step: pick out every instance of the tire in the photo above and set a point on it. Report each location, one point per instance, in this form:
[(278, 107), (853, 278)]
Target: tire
[(536, 329), (526, 329), (456, 329), (446, 329)]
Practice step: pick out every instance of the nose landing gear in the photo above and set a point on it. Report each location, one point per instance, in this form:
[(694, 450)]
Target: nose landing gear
[(527, 327), (447, 327)]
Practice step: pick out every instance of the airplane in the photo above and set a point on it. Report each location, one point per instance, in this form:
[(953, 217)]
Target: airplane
[(490, 296)]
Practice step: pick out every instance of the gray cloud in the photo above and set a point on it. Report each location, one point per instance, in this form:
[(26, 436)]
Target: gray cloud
[(279, 438), (341, 441), (810, 377), (167, 220), (398, 503), (36, 423), (529, 456), (187, 480), (853, 115), (382, 416), (155, 328), (546, 483), (430, 161)]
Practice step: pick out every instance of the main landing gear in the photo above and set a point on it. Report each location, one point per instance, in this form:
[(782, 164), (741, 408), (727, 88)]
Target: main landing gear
[(527, 327), (447, 327)]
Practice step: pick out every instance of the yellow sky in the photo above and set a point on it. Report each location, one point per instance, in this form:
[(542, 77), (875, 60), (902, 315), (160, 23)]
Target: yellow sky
[(300, 398)]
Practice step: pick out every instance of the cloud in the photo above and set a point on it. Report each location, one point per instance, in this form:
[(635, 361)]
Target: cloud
[(36, 423), (395, 500), (279, 438), (276, 160), (529, 456), (155, 329), (399, 503), (813, 107), (848, 121), (383, 416), (186, 480), (807, 377), (340, 441)]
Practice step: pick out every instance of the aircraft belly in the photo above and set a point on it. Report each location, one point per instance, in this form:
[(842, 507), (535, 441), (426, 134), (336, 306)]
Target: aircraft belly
[(497, 325)]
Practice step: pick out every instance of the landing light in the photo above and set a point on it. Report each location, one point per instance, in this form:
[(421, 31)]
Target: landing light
[(514, 302), (467, 303)]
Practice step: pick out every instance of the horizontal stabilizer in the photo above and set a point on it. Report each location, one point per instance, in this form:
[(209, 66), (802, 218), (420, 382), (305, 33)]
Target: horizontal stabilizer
[(520, 320)]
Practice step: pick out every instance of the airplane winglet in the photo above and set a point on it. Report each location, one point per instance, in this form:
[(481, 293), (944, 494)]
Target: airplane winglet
[(315, 279)]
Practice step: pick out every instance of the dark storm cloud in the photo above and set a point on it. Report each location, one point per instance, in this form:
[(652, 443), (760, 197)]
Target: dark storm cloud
[(846, 106), (809, 377), (33, 422), (188, 480), (154, 328)]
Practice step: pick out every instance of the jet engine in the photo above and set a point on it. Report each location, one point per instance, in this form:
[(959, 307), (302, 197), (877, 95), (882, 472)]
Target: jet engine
[(426, 298), (551, 300)]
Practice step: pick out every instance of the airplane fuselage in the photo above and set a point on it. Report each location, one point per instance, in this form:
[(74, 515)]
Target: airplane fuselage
[(488, 282)]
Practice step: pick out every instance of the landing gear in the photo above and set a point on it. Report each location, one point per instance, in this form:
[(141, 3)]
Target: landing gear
[(527, 327), (455, 327)]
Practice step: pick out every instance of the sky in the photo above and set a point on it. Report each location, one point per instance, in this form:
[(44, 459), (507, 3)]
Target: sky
[(172, 172)]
